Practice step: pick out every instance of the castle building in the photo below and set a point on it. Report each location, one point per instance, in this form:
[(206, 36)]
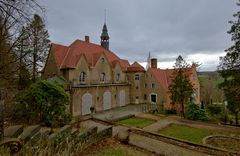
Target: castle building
[(99, 79)]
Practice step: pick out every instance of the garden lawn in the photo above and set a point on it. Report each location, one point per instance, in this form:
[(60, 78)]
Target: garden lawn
[(136, 122), (186, 133)]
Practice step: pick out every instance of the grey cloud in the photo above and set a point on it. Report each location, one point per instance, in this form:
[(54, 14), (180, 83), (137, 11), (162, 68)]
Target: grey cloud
[(167, 28)]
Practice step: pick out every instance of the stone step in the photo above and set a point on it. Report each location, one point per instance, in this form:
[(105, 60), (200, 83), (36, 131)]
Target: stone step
[(75, 132), (61, 135), (13, 131), (29, 132)]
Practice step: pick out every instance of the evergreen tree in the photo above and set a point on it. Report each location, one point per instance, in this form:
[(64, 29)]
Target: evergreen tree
[(229, 68), (39, 44), (181, 88)]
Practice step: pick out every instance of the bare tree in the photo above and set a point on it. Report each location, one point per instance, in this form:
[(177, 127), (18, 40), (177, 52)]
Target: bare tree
[(14, 14)]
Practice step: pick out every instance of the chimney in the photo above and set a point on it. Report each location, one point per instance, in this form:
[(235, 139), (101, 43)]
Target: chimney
[(154, 63), (87, 39)]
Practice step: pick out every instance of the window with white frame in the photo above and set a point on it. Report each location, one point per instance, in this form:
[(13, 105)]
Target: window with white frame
[(153, 98), (102, 77), (118, 77), (137, 77), (82, 77)]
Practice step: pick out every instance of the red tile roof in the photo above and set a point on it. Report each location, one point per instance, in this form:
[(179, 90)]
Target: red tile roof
[(123, 63), (135, 67), (161, 76), (164, 77), (60, 52), (68, 57)]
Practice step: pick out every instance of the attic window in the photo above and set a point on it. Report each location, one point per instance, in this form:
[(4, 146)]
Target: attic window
[(82, 77), (102, 59), (102, 77)]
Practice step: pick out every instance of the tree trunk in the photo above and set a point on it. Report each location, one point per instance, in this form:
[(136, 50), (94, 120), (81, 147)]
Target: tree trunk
[(236, 118), (183, 114)]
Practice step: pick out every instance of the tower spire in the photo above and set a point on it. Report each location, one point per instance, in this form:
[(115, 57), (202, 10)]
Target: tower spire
[(104, 36)]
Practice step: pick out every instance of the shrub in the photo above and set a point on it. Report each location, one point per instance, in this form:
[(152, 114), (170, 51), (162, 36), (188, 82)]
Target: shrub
[(194, 112), (223, 116), (170, 111), (46, 101), (215, 109)]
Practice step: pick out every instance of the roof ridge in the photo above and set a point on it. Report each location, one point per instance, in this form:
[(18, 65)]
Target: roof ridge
[(57, 44)]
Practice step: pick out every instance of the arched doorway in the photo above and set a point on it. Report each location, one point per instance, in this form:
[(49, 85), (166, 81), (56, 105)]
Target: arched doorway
[(86, 103), (106, 100), (122, 98)]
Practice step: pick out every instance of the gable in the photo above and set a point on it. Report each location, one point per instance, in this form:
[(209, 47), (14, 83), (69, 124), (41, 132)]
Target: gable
[(51, 66)]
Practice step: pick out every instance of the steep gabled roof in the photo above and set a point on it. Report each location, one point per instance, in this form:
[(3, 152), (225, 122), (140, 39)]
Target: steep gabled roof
[(161, 76), (68, 57), (123, 63), (136, 67), (60, 52)]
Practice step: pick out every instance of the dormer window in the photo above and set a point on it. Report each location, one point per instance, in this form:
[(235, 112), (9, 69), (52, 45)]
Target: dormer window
[(102, 77), (82, 77), (117, 77)]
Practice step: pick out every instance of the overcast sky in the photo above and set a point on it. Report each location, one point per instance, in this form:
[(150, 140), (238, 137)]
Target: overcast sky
[(195, 29)]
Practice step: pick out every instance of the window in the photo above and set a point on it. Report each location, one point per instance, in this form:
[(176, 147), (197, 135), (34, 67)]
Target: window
[(82, 77), (145, 96), (102, 59), (102, 77), (137, 87), (153, 98), (127, 78), (153, 85), (117, 77), (145, 85), (137, 77)]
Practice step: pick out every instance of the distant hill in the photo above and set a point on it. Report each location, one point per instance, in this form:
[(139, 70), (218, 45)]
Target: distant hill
[(210, 75), (213, 74)]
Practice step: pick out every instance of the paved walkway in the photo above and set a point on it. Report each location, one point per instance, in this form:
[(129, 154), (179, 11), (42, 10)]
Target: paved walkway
[(157, 125), (119, 112), (160, 147)]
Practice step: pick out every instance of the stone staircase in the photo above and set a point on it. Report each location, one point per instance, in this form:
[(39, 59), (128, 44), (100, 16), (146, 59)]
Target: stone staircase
[(37, 140)]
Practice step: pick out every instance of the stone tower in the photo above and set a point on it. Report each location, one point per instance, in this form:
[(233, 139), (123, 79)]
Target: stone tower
[(104, 37)]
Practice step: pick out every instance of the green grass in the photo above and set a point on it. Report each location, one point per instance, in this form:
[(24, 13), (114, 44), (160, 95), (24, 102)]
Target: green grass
[(136, 122), (186, 133), (118, 150), (202, 78)]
